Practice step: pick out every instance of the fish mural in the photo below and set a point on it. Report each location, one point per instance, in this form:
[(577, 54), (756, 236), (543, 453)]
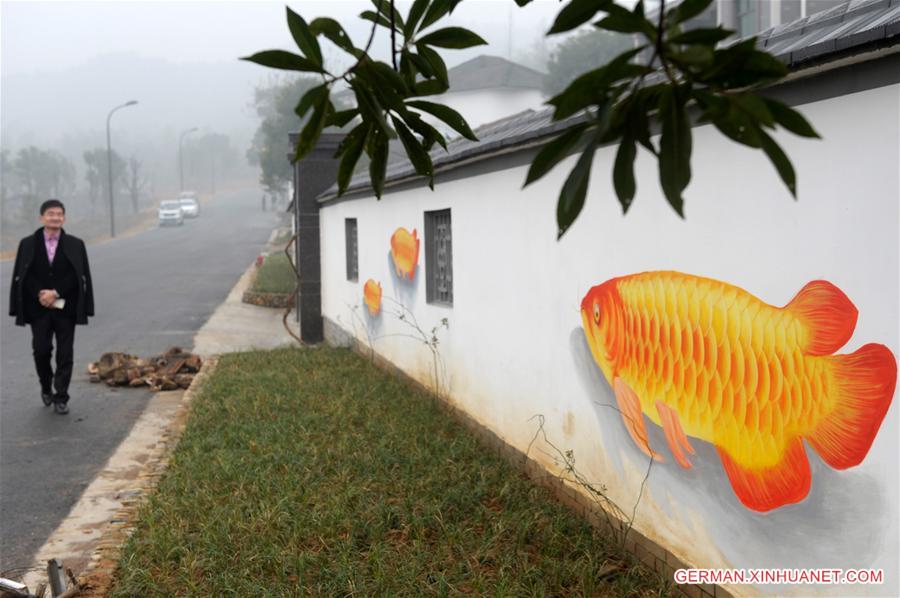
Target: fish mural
[(704, 359), (405, 252), (372, 296)]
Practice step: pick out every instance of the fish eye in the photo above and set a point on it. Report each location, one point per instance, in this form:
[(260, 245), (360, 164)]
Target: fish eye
[(597, 313)]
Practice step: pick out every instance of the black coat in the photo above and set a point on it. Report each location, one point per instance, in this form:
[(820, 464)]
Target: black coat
[(70, 248)]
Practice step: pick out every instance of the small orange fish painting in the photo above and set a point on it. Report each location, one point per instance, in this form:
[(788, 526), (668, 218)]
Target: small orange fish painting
[(708, 360), (372, 296), (405, 252)]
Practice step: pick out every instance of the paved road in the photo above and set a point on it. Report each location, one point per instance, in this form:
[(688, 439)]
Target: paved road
[(152, 290)]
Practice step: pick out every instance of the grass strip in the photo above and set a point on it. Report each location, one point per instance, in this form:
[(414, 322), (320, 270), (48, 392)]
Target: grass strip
[(312, 472), (275, 275)]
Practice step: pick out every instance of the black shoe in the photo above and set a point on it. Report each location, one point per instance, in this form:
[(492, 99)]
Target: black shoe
[(60, 408), (47, 398)]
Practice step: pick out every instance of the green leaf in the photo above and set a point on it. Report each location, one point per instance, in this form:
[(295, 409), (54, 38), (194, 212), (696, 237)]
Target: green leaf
[(303, 37), (412, 18), (790, 119), (370, 109), (437, 10), (577, 12), (447, 114), (375, 17), (623, 172), (417, 154), (434, 60), (342, 117), (452, 37), (311, 98), (674, 148), (592, 86), (623, 20), (351, 149), (690, 8), (377, 148), (706, 37), (693, 56), (313, 128), (422, 65), (574, 190), (429, 87), (754, 107), (554, 152), (780, 161), (429, 134), (385, 7), (389, 76), (333, 32), (286, 61)]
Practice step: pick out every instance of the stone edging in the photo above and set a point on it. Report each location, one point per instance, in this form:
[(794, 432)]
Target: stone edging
[(97, 576), (279, 300)]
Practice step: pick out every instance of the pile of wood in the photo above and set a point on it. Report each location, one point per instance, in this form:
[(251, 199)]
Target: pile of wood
[(172, 370)]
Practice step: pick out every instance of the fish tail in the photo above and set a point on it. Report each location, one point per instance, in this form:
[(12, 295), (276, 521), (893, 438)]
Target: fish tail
[(865, 380), (828, 313)]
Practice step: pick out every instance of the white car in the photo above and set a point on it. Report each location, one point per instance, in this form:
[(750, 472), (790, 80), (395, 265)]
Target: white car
[(170, 212), (190, 207)]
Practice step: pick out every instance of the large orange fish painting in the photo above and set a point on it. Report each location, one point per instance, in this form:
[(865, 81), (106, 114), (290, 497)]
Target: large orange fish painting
[(405, 252), (708, 360), (372, 296)]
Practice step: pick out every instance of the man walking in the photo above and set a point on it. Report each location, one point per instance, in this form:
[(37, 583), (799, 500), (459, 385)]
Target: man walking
[(51, 290)]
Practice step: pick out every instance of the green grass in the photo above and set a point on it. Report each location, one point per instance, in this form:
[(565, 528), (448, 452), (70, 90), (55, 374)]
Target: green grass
[(311, 472), (275, 275)]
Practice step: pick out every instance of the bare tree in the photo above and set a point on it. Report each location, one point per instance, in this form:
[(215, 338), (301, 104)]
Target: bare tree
[(136, 182)]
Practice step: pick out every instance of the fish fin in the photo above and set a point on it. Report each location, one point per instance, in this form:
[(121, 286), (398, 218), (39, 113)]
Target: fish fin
[(674, 433), (764, 489), (829, 316), (865, 380), (633, 417)]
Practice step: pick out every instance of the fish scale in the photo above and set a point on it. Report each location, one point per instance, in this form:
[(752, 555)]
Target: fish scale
[(706, 359)]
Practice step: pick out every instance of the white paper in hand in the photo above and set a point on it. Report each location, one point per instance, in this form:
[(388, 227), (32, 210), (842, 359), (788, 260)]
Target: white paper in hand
[(59, 303)]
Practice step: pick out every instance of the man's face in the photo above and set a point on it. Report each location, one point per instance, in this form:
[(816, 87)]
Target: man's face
[(53, 218)]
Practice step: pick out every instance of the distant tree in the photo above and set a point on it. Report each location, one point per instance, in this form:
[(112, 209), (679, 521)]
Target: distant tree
[(63, 178), (275, 106), (136, 182), (6, 175), (213, 155), (97, 174), (579, 53)]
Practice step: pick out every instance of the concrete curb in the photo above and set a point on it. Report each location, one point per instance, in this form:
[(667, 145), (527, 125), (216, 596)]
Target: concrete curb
[(90, 538)]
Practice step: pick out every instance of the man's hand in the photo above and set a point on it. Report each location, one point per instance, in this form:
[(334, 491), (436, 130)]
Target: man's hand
[(47, 297)]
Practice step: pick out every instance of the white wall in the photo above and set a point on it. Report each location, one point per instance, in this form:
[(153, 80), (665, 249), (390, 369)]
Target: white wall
[(515, 348)]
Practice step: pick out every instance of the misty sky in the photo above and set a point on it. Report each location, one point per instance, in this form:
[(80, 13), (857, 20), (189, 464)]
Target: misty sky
[(64, 65), (47, 36)]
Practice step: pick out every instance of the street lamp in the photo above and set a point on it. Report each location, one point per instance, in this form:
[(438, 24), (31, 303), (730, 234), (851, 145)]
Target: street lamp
[(180, 158), (112, 218)]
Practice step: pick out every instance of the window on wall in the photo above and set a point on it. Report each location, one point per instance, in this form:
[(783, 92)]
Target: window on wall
[(352, 245), (748, 17), (438, 258)]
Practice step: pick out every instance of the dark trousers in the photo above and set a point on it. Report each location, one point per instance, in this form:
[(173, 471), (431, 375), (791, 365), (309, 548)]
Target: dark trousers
[(43, 328)]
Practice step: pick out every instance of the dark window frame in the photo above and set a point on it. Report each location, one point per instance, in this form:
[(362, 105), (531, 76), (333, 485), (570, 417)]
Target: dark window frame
[(439, 257), (351, 248)]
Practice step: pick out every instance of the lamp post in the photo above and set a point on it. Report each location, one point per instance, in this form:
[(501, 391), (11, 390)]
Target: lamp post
[(180, 158), (112, 217)]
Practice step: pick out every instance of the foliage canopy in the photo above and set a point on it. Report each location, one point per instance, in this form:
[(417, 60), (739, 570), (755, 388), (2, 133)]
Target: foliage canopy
[(656, 83)]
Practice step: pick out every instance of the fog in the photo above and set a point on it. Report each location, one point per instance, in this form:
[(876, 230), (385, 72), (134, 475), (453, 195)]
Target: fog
[(66, 65)]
